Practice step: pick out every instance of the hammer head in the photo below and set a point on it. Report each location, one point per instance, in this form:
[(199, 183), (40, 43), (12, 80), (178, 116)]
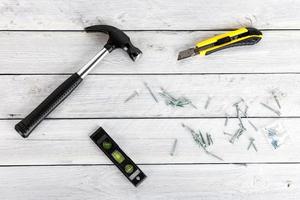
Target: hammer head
[(117, 39)]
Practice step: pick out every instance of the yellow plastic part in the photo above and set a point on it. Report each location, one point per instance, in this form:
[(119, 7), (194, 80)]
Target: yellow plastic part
[(216, 38)]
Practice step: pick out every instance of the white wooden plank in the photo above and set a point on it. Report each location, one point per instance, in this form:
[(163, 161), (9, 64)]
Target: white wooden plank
[(135, 14), (145, 141), (66, 52), (164, 182), (103, 96)]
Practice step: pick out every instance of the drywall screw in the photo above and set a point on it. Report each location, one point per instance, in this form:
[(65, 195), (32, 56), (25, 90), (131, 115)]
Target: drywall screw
[(241, 122), (188, 128), (242, 130), (226, 120), (202, 139), (272, 109), (237, 103), (150, 91), (251, 143), (134, 94), (210, 139), (246, 111), (276, 99), (207, 102), (255, 128), (188, 101), (225, 133), (234, 136), (173, 147), (237, 135), (243, 112)]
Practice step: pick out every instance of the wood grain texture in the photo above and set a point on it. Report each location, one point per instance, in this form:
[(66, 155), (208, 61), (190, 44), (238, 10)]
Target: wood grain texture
[(145, 141), (103, 96), (66, 52), (164, 182), (135, 14)]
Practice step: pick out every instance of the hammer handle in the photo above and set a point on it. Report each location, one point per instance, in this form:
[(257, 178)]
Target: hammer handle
[(26, 126)]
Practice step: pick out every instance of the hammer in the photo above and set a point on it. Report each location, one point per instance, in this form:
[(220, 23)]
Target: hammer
[(117, 39)]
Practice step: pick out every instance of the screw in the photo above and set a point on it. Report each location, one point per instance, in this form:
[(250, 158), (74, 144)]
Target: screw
[(226, 120), (225, 133), (207, 102), (150, 91), (173, 147), (251, 143), (272, 109), (276, 99), (135, 93), (255, 128)]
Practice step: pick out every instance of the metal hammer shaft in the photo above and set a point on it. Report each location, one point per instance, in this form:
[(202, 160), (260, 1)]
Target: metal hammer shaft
[(27, 125)]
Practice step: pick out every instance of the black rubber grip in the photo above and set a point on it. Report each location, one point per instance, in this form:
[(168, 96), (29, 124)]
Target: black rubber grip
[(26, 126)]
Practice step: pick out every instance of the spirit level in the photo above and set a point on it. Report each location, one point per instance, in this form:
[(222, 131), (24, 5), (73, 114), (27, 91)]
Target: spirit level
[(132, 172)]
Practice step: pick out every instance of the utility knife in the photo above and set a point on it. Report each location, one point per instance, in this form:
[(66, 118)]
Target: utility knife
[(239, 37)]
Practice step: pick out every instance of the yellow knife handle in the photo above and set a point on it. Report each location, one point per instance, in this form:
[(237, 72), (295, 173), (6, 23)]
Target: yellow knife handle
[(241, 37)]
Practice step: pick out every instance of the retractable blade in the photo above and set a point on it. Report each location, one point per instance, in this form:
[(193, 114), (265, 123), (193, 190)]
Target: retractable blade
[(240, 37)]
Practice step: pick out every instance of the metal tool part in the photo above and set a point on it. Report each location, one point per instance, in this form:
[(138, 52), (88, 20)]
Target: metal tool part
[(251, 144), (241, 37), (150, 91), (134, 94), (277, 112), (111, 149), (117, 39), (173, 147)]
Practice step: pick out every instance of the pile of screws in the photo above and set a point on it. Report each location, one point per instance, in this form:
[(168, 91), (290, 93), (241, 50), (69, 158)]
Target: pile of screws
[(170, 100), (175, 102), (199, 139)]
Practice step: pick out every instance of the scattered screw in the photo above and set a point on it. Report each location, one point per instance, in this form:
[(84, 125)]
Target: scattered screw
[(246, 111), (255, 128), (173, 147), (237, 135), (151, 93), (210, 139), (134, 94), (226, 120), (207, 102), (202, 139), (251, 143), (225, 133), (276, 100), (272, 109), (171, 100)]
